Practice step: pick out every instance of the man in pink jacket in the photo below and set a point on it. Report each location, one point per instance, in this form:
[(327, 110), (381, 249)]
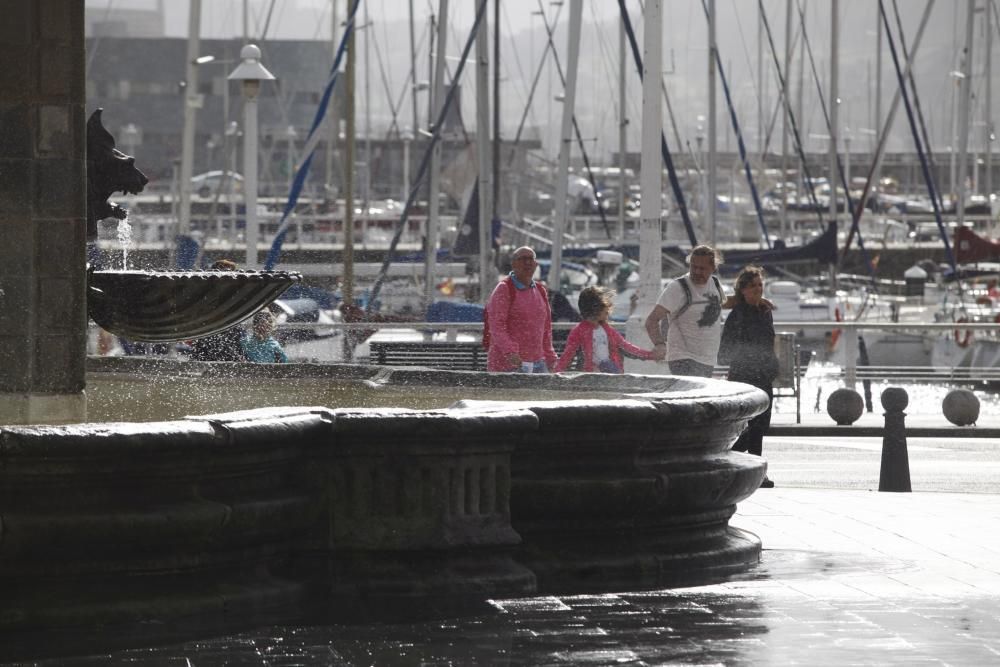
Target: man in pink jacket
[(520, 321)]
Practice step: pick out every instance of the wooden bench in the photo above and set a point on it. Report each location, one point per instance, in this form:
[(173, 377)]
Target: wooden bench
[(445, 355)]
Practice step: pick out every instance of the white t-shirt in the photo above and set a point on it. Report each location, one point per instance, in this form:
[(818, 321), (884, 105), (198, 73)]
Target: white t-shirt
[(696, 333), (600, 342)]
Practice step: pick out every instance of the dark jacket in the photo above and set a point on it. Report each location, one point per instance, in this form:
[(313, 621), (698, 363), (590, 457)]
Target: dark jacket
[(747, 345)]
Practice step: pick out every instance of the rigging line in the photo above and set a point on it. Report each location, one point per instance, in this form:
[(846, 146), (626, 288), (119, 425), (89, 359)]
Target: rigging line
[(916, 139), (675, 184), (509, 32), (791, 116), (739, 140), (267, 22), (534, 84), (779, 103), (312, 141), (883, 136), (386, 84), (523, 70), (855, 225), (916, 103), (96, 41), (746, 54), (425, 161), (609, 77), (458, 109), (321, 22), (576, 129)]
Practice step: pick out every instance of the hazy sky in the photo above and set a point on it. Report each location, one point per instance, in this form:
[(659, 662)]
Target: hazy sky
[(311, 19), (685, 62)]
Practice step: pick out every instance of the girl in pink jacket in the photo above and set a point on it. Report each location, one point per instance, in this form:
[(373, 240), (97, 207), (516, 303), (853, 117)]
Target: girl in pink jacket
[(600, 343)]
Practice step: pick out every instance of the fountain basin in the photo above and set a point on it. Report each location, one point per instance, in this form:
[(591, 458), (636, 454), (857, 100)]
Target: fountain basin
[(483, 486), (165, 306)]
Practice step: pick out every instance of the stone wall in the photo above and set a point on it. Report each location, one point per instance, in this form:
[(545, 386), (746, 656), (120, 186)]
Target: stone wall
[(42, 211)]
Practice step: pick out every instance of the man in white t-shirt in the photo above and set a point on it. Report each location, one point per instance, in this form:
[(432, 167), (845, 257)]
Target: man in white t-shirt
[(693, 307)]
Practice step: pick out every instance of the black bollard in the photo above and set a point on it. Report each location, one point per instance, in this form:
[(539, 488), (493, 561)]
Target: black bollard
[(895, 472)]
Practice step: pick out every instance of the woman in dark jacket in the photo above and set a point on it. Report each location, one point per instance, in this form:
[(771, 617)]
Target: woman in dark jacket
[(748, 349)]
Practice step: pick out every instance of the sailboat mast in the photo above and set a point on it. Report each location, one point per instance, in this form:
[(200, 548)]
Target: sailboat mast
[(560, 219), (487, 276), (710, 205), (413, 76), (878, 86), (496, 115), (988, 130), (190, 119), (650, 236), (786, 118), (964, 114), (434, 177), (333, 120), (347, 286), (834, 104), (622, 127)]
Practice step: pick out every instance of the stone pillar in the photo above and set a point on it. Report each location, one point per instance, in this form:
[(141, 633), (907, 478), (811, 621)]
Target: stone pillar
[(42, 211)]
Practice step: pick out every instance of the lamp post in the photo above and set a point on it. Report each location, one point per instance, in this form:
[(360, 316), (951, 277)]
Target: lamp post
[(233, 133), (251, 73)]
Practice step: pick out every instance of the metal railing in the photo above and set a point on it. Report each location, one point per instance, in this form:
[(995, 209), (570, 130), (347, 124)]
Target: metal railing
[(850, 370)]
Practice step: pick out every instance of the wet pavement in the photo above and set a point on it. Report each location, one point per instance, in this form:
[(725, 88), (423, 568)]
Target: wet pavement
[(848, 576)]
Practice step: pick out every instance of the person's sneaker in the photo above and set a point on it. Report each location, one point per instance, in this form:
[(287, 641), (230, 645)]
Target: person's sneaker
[(767, 484)]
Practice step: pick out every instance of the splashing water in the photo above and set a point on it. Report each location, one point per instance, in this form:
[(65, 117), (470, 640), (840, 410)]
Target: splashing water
[(125, 239)]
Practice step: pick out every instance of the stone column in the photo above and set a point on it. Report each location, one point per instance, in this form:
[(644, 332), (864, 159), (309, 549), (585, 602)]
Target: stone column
[(42, 211)]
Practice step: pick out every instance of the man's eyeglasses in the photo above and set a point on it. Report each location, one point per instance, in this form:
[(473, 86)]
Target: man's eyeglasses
[(523, 258)]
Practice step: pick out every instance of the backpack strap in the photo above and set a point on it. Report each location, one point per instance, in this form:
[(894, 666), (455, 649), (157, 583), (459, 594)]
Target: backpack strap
[(687, 296), (687, 293), (718, 286)]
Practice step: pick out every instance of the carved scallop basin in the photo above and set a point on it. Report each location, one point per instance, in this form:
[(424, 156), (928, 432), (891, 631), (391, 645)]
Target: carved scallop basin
[(165, 306), (391, 487)]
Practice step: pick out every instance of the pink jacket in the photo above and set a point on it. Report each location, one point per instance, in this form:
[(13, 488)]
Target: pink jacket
[(582, 337), (522, 325)]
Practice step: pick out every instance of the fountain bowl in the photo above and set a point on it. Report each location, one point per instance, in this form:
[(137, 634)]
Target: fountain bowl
[(166, 306)]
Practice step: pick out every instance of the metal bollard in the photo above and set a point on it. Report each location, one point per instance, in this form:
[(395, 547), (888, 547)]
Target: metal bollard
[(895, 472)]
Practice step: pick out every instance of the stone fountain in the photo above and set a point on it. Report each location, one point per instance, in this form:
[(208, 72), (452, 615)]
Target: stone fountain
[(384, 489)]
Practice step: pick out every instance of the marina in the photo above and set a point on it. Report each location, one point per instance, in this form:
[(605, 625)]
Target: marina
[(253, 410)]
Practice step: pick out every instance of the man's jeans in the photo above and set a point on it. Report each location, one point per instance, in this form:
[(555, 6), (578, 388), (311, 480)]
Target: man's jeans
[(690, 367)]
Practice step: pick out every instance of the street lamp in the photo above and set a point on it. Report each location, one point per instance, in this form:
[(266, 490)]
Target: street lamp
[(251, 73)]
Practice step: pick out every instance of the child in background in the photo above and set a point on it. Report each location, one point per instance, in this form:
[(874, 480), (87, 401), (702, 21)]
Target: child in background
[(259, 345), (600, 343)]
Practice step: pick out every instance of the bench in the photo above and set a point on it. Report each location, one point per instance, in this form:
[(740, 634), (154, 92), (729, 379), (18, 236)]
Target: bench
[(445, 355)]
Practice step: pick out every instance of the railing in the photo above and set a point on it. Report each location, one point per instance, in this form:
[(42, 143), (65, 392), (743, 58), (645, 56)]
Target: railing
[(157, 230), (849, 337), (851, 371)]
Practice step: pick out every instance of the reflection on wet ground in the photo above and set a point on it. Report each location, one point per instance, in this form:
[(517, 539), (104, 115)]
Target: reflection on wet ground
[(778, 614), (846, 577), (714, 625)]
